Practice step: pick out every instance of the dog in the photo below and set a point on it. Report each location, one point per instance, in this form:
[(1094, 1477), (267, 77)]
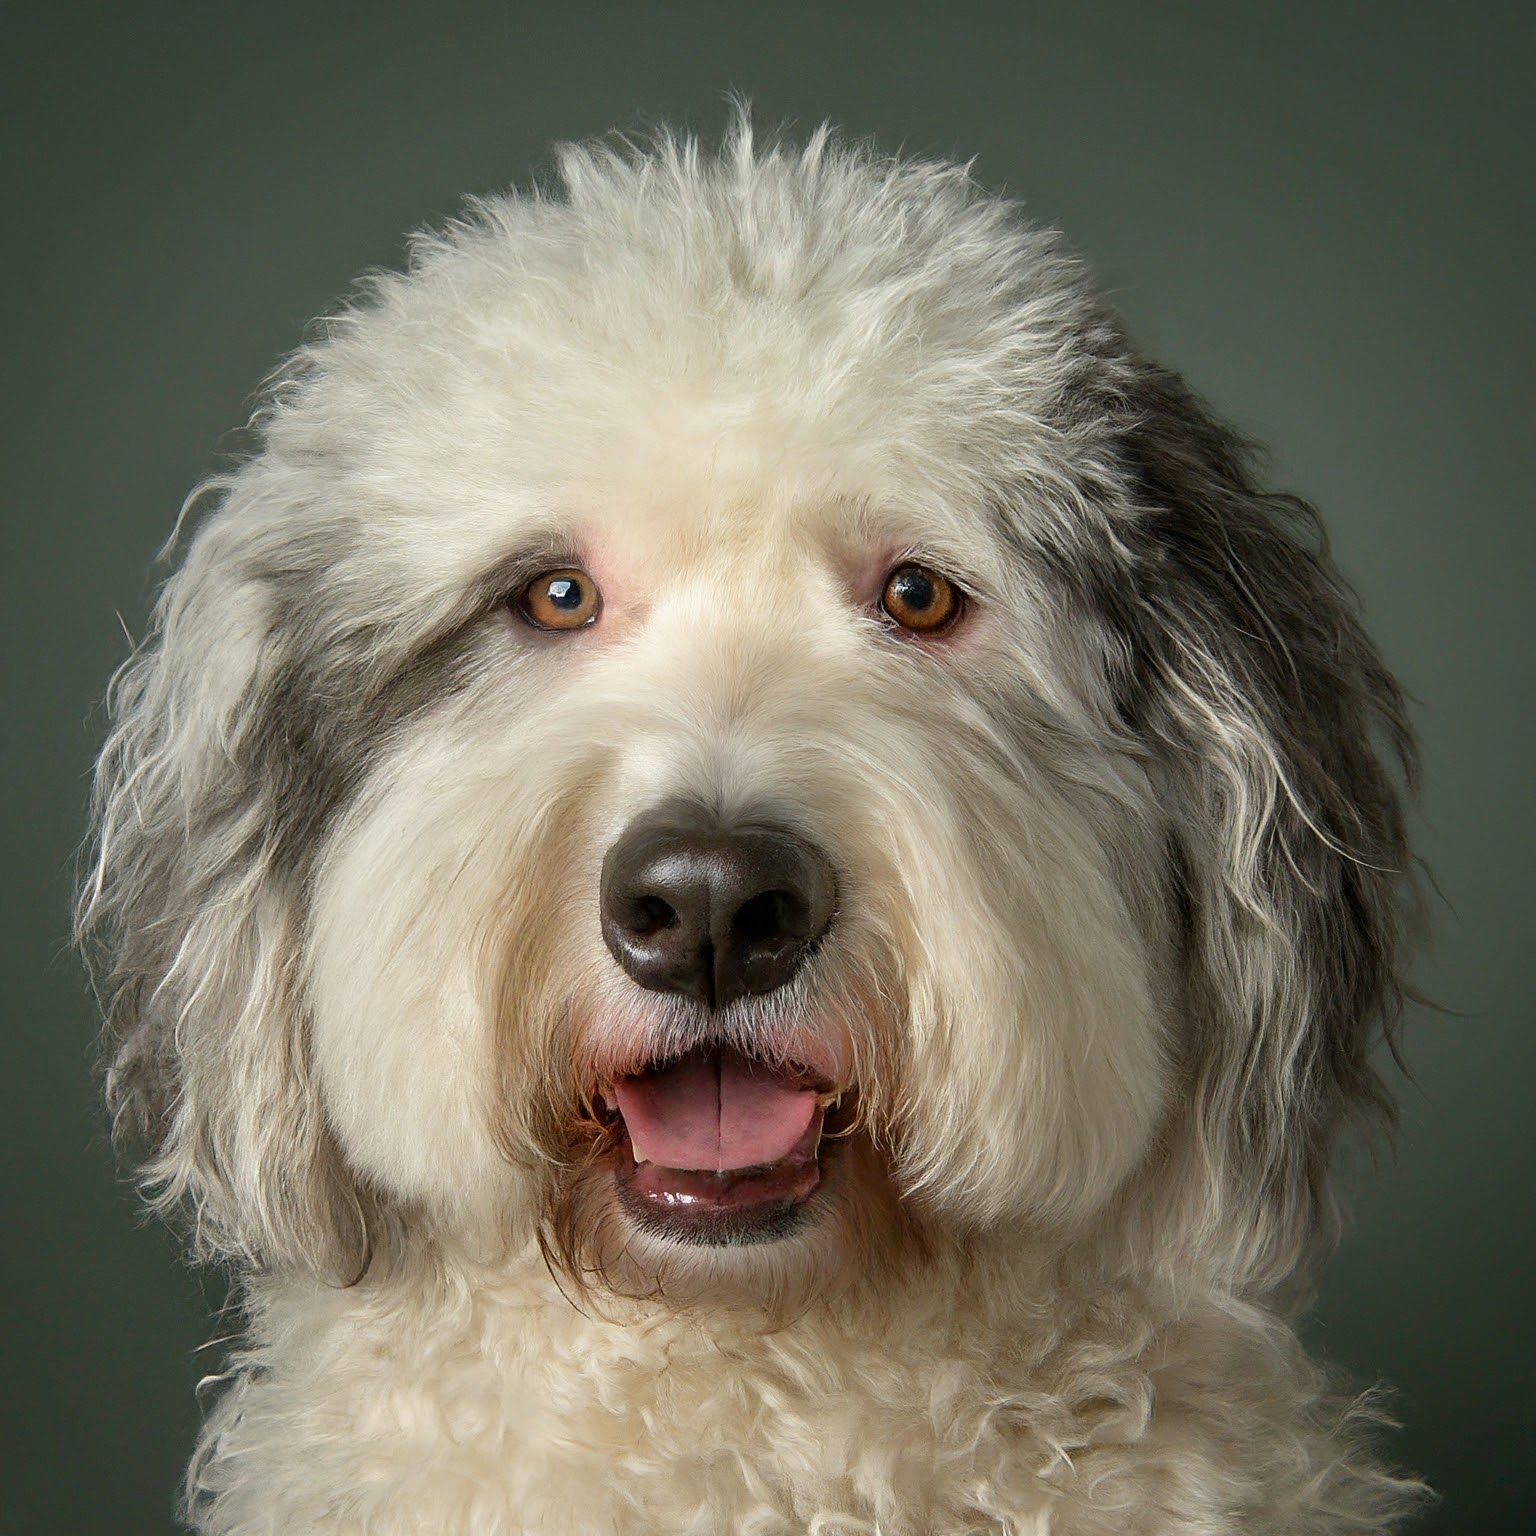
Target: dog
[(745, 883)]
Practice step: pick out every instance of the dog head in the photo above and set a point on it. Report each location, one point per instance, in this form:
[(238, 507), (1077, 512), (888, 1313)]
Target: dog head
[(733, 722)]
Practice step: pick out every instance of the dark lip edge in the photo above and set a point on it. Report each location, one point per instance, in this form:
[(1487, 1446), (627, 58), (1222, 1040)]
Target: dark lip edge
[(727, 1227)]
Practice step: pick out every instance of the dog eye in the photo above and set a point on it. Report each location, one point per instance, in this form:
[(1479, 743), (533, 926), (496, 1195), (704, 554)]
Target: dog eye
[(918, 598), (564, 599)]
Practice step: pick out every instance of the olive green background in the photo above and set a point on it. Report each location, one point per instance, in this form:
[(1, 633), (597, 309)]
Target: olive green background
[(1321, 213)]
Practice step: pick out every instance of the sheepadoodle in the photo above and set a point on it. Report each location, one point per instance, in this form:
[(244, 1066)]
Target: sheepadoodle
[(744, 883)]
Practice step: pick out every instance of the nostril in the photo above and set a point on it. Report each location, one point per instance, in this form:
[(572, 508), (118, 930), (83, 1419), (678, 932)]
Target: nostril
[(650, 914), (771, 917)]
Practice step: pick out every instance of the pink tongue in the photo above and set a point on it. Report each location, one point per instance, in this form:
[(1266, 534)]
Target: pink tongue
[(715, 1110)]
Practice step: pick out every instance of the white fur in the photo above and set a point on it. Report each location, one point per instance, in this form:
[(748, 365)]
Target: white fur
[(1092, 936)]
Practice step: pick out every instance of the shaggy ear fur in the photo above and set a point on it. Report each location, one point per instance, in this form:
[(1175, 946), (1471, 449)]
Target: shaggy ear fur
[(191, 916), (1283, 739)]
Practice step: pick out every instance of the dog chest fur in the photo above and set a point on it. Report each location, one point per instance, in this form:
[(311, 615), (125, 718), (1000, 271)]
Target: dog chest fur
[(458, 1401)]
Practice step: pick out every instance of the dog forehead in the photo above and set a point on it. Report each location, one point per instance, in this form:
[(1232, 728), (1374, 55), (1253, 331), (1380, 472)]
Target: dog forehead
[(743, 530), (694, 486), (705, 366)]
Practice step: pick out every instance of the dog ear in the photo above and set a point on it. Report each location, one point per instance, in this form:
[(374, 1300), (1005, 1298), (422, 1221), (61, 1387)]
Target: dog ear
[(1284, 749), (190, 917)]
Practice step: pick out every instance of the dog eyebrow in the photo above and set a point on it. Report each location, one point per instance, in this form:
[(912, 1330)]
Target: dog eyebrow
[(960, 566), (513, 572)]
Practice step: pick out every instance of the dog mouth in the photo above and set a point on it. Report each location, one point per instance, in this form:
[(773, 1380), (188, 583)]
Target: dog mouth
[(718, 1147)]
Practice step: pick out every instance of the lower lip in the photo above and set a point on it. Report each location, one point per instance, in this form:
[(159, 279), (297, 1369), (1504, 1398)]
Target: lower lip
[(748, 1205)]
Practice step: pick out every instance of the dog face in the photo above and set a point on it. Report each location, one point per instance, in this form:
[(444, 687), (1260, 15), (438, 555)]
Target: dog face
[(710, 826), (734, 725)]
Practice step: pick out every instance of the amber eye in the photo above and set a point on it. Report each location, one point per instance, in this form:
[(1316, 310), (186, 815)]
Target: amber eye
[(565, 599), (919, 599)]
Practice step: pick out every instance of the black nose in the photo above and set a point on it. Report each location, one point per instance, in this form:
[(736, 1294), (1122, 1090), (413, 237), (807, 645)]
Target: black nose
[(712, 911)]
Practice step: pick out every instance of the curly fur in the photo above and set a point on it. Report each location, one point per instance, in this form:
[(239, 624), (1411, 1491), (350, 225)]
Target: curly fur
[(1122, 862)]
